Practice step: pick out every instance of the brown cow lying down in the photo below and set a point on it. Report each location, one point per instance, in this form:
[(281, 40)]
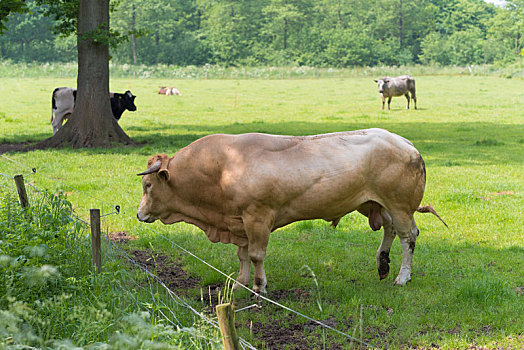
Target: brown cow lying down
[(240, 188)]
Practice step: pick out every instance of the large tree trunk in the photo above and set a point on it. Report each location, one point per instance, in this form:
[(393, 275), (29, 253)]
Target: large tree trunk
[(92, 123)]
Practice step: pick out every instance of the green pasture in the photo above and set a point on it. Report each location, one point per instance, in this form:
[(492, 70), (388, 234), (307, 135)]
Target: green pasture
[(465, 279)]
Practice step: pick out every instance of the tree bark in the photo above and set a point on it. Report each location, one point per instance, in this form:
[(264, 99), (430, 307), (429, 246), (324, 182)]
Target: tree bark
[(92, 123)]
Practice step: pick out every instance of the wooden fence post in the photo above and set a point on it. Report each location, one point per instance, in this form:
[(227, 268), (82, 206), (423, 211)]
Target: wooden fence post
[(226, 321), (22, 194), (95, 239)]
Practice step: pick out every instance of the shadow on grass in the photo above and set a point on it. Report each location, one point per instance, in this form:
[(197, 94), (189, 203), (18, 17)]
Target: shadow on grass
[(443, 144)]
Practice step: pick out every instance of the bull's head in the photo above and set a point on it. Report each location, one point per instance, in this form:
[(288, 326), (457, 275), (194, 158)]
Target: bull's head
[(382, 84), (155, 183)]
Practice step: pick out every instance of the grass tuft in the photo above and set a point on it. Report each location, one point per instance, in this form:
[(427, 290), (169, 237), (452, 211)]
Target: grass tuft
[(488, 291), (488, 142)]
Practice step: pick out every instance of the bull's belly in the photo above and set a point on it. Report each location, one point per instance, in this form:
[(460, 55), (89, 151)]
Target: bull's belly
[(317, 208)]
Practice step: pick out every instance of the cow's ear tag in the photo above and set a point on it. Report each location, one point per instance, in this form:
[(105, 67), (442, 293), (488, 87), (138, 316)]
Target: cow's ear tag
[(164, 174)]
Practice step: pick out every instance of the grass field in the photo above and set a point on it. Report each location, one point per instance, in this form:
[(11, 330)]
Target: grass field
[(465, 279)]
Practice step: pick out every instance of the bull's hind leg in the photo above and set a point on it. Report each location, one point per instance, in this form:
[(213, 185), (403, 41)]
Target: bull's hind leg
[(385, 246), (407, 98), (245, 267), (407, 231), (414, 98)]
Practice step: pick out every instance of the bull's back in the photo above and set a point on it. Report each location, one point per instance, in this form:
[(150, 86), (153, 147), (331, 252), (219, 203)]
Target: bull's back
[(303, 173), (401, 85), (331, 175)]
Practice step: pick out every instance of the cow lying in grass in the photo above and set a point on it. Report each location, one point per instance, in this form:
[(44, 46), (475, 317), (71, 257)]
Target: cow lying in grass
[(240, 188), (403, 85), (64, 99), (169, 91)]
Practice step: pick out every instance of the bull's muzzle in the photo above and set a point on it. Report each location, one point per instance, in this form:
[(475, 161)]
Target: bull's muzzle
[(148, 218)]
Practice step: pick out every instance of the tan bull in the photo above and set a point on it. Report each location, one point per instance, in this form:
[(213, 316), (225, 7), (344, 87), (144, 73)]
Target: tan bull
[(240, 188)]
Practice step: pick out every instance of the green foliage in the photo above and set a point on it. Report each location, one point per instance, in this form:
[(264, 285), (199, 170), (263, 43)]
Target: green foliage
[(343, 33), (50, 295), (8, 7)]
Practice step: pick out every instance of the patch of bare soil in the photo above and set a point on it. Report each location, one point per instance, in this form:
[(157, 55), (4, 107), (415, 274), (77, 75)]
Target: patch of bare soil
[(168, 270), (120, 237), (296, 294), (290, 334), (18, 147), (493, 195)]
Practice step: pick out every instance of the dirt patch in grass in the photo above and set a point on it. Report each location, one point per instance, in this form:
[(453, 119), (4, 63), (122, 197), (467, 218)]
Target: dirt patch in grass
[(289, 333), (120, 237), (296, 294), (492, 195), (168, 270), (18, 147)]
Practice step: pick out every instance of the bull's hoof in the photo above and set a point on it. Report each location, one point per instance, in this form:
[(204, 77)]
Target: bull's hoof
[(382, 276), (401, 281), (239, 286), (259, 290)]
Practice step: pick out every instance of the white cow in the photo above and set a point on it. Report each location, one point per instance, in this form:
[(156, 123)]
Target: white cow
[(63, 103)]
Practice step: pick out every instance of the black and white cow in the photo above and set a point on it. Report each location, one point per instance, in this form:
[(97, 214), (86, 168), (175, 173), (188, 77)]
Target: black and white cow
[(64, 99)]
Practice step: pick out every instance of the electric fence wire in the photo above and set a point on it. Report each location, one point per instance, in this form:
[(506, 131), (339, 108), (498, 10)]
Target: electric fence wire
[(257, 295), (173, 295), (150, 276)]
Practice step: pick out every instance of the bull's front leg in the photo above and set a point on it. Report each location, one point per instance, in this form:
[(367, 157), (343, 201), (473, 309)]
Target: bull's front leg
[(383, 100), (245, 267), (389, 103), (407, 98), (257, 224)]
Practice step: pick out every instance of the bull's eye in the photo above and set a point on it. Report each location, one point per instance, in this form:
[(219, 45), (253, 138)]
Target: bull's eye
[(147, 185)]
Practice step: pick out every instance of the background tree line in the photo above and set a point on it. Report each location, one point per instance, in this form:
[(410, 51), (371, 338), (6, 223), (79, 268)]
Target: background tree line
[(335, 33)]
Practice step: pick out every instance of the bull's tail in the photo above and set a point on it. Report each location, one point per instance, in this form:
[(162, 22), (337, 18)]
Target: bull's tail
[(429, 209)]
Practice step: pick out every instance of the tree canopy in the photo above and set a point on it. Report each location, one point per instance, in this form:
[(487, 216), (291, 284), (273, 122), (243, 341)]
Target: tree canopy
[(337, 33)]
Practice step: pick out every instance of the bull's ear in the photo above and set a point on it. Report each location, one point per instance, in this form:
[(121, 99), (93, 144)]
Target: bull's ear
[(164, 174), (375, 80)]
